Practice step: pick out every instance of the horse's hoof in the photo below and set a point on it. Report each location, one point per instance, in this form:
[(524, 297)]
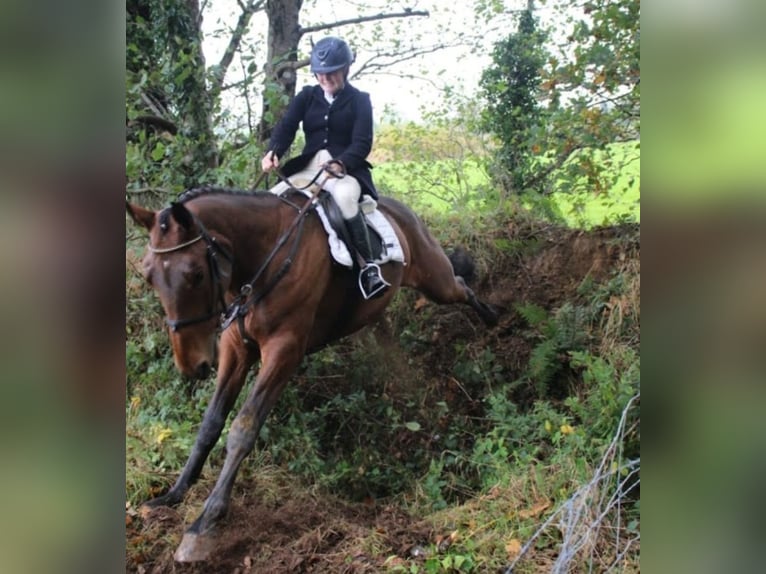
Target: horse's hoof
[(194, 548)]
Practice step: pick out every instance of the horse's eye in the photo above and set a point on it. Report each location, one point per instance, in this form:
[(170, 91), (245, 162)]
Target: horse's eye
[(197, 277)]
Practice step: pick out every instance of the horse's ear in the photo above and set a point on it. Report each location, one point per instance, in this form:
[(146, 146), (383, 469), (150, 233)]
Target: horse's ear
[(182, 215), (144, 217)]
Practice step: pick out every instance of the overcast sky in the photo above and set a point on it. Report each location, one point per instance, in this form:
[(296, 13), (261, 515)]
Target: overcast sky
[(460, 68)]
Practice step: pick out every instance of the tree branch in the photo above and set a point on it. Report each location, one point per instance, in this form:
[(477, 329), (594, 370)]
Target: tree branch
[(157, 121), (415, 77), (407, 13), (556, 164), (374, 63), (219, 71), (156, 107)]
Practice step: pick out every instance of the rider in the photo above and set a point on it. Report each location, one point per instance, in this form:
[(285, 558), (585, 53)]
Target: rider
[(337, 122)]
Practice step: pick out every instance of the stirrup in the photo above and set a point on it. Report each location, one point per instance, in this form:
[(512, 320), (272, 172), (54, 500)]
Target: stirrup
[(370, 291)]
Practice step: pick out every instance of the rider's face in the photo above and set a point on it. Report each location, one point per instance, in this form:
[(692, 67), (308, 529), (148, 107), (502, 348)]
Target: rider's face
[(332, 82)]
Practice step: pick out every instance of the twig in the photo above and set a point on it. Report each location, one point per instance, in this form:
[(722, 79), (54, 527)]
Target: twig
[(360, 19)]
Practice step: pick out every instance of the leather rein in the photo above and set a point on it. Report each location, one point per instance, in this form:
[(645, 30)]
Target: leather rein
[(247, 298)]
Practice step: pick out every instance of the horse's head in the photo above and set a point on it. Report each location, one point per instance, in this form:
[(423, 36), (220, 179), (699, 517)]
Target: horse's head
[(190, 270)]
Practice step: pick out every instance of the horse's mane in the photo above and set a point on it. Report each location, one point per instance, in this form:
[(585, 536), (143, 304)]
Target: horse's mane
[(196, 192)]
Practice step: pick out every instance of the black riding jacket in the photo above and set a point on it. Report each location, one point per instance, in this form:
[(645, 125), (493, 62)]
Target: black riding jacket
[(343, 128)]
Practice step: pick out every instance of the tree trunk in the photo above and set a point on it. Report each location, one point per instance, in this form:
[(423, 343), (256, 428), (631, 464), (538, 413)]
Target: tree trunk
[(195, 105), (281, 57)]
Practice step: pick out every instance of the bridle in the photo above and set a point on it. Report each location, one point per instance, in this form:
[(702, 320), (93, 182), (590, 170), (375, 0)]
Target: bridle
[(216, 275)]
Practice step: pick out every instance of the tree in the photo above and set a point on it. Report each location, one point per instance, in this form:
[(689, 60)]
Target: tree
[(164, 44), (511, 88), (558, 109), (593, 89)]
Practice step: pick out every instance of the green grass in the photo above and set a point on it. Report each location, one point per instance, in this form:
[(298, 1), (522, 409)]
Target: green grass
[(580, 201), (591, 189)]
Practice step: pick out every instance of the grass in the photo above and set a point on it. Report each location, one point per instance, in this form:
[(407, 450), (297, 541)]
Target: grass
[(610, 195)]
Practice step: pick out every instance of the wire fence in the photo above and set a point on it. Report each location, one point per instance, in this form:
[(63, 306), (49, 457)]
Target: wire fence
[(594, 514)]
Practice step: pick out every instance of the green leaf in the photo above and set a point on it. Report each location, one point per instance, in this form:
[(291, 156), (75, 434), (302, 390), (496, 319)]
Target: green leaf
[(413, 426), (158, 152)]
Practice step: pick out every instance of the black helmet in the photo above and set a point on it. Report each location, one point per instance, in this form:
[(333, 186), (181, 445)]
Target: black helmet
[(330, 54)]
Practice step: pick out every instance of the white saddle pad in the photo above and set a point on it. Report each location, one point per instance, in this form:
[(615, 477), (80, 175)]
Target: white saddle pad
[(392, 249)]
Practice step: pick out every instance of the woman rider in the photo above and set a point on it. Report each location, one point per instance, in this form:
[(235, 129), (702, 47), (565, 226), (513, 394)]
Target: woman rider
[(337, 122)]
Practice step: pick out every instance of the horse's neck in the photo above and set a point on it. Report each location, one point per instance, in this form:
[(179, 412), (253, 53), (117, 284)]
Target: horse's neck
[(253, 226)]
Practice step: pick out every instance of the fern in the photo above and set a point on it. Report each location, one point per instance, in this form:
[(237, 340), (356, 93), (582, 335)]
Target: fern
[(533, 314), (543, 365), (571, 326), (565, 330)]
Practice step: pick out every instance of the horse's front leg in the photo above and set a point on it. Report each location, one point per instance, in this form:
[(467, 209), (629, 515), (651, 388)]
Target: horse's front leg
[(234, 364), (279, 359)]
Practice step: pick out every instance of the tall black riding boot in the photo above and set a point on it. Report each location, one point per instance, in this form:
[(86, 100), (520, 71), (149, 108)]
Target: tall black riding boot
[(371, 282)]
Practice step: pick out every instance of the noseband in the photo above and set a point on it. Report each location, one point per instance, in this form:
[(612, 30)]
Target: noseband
[(216, 276)]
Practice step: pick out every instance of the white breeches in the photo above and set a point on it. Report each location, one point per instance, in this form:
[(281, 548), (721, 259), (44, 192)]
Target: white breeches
[(345, 191)]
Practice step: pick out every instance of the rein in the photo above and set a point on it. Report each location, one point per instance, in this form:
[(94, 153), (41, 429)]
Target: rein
[(246, 299), (340, 174), (216, 276)]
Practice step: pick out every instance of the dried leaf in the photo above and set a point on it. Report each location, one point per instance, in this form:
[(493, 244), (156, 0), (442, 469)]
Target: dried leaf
[(536, 510), (513, 548)]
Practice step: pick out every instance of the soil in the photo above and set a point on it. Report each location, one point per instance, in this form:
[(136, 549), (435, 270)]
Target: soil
[(311, 533)]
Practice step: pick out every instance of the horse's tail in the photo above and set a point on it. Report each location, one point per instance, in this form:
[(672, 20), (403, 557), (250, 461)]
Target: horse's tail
[(463, 264)]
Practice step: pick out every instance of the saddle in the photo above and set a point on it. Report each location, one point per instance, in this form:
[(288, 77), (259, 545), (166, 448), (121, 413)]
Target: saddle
[(335, 219), (383, 239)]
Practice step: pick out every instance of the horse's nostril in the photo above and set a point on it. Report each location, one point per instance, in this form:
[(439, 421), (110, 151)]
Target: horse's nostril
[(203, 370)]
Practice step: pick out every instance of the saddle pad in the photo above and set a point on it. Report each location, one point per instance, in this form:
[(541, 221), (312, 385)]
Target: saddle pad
[(392, 249)]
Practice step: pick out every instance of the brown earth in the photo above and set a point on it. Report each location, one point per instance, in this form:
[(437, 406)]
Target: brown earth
[(289, 531)]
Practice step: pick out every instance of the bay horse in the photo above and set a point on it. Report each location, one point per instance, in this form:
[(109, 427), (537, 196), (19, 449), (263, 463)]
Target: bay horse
[(263, 261)]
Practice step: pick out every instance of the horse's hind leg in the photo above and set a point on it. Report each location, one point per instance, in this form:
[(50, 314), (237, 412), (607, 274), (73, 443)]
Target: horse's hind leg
[(232, 372), (486, 311), (433, 275)]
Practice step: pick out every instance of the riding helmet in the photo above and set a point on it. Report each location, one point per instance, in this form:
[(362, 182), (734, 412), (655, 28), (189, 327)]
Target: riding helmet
[(330, 54)]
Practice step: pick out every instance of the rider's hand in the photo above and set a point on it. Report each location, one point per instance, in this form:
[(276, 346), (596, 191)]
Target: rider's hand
[(335, 167), (270, 161)]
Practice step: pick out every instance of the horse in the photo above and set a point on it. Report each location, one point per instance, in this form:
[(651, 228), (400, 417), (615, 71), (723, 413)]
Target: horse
[(252, 270)]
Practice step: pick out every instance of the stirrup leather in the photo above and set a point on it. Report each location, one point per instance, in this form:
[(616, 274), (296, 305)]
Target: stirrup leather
[(371, 281)]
